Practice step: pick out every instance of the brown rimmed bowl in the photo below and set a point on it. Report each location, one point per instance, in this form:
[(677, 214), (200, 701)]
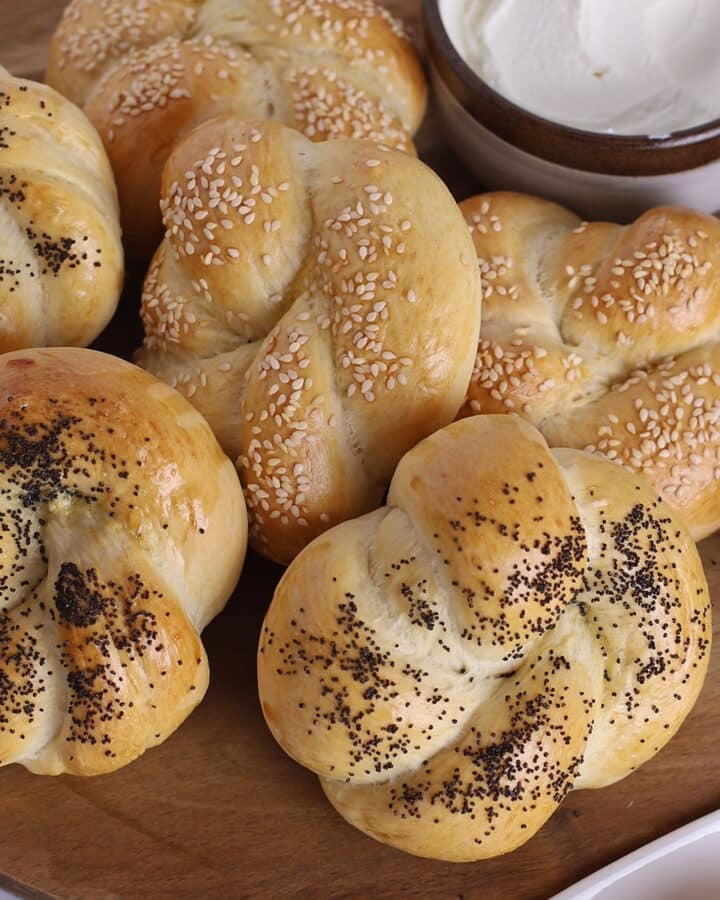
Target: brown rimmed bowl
[(597, 174)]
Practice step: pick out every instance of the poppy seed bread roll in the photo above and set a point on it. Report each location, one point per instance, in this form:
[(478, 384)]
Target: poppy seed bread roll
[(61, 262), (122, 534), (320, 305), (516, 623), (148, 71)]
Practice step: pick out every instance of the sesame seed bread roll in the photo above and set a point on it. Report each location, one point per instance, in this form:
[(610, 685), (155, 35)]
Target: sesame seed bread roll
[(606, 338), (123, 534), (148, 71), (61, 263), (319, 304), (516, 623)]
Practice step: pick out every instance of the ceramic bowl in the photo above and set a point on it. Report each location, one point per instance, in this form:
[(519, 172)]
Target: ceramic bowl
[(599, 175)]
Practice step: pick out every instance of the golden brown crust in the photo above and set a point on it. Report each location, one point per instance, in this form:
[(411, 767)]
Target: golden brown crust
[(318, 303), (61, 269), (93, 37), (151, 101), (606, 338), (449, 664), (149, 70), (123, 533)]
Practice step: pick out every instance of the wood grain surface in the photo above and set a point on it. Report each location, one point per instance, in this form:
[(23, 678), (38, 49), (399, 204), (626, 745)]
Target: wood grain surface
[(220, 811)]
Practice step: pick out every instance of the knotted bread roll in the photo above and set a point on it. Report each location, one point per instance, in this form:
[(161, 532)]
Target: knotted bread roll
[(319, 304), (122, 533), (61, 264), (147, 71), (516, 623), (606, 338)]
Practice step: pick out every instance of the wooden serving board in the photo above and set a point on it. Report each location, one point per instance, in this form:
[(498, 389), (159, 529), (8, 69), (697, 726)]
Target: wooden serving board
[(220, 811)]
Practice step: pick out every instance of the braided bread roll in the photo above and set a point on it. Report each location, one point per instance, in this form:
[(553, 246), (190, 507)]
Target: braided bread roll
[(61, 263), (319, 304), (516, 623), (148, 71), (123, 534), (606, 338)]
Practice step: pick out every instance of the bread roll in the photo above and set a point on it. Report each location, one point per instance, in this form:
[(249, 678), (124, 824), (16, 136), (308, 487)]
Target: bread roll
[(606, 338), (123, 533), (61, 263), (516, 623), (148, 71), (319, 304)]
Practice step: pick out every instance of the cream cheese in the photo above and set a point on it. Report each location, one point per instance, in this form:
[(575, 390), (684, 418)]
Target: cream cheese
[(624, 66)]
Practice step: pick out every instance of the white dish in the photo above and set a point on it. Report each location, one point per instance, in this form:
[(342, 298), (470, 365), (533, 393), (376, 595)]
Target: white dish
[(599, 175), (683, 864), (499, 165)]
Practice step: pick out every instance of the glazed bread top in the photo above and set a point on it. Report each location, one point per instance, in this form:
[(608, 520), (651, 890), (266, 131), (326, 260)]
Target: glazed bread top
[(123, 533), (147, 71), (516, 623), (61, 263), (320, 305), (607, 338)]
